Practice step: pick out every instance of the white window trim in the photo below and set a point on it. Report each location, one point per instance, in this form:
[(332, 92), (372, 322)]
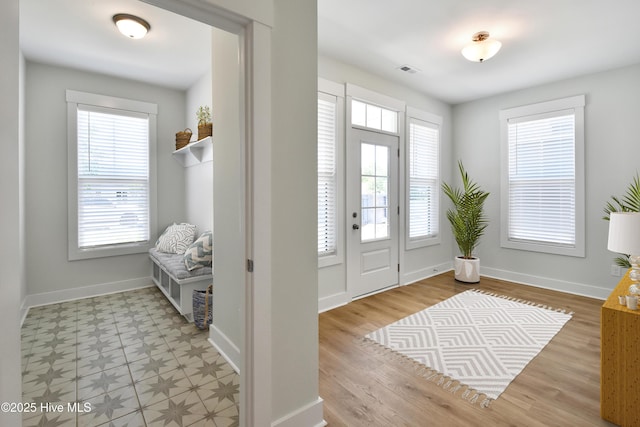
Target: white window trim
[(337, 90), (74, 98), (415, 243), (577, 104), (384, 101), (371, 97), (374, 98)]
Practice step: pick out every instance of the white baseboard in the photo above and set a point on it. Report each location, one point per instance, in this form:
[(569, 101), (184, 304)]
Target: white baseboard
[(337, 300), (225, 347), (425, 273), (46, 298), (547, 283), (24, 310), (309, 415), (333, 301)]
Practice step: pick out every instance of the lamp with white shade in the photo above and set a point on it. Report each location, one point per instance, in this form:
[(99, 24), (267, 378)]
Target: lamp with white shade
[(624, 238)]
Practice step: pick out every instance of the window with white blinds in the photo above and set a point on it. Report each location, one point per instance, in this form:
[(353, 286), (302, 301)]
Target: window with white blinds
[(423, 179), (327, 174), (111, 177), (543, 180)]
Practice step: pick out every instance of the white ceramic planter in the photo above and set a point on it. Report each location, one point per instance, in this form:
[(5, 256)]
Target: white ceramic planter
[(467, 270)]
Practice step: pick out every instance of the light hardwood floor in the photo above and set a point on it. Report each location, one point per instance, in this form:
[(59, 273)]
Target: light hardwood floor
[(559, 387)]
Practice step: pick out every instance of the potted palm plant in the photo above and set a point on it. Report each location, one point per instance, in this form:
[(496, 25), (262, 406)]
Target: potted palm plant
[(468, 223)]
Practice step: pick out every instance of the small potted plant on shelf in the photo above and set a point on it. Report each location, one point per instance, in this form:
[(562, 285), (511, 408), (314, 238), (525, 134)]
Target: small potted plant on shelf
[(205, 126), (468, 223)]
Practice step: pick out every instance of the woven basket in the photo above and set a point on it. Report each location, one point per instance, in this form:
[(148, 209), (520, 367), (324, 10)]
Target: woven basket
[(202, 313), (205, 130), (182, 138)]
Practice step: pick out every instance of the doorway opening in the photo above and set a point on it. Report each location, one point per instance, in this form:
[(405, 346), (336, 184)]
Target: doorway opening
[(235, 125)]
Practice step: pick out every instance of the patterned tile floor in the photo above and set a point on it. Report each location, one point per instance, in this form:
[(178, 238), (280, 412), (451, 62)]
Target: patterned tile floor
[(126, 359)]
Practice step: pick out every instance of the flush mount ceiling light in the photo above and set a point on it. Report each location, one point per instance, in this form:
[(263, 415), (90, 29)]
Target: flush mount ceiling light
[(131, 26), (481, 48)]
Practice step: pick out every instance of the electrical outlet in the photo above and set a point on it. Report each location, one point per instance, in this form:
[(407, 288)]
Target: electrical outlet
[(616, 270)]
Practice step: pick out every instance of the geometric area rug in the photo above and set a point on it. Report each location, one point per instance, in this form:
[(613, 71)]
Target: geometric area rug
[(474, 343)]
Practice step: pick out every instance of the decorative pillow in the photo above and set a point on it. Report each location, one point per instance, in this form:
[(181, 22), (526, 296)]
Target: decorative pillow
[(176, 238), (200, 253)]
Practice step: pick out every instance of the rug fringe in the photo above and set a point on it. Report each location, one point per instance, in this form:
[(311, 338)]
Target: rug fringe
[(522, 301), (452, 385)]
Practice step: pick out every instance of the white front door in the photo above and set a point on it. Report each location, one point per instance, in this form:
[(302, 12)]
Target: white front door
[(372, 212)]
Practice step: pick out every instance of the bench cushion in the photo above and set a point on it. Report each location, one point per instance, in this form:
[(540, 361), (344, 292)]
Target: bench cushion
[(174, 264)]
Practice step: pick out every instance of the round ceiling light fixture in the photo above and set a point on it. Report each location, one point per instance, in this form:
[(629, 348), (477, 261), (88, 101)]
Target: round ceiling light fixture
[(131, 25), (481, 48)]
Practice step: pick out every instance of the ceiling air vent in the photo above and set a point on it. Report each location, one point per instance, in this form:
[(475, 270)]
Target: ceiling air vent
[(408, 69)]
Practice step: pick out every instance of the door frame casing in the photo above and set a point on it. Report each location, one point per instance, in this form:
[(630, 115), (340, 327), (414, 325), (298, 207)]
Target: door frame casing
[(255, 67), (359, 93)]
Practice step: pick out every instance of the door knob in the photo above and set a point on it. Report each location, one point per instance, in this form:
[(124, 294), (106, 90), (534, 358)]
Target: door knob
[(356, 227)]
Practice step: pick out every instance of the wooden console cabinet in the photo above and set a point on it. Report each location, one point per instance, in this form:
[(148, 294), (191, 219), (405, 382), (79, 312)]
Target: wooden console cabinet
[(620, 360)]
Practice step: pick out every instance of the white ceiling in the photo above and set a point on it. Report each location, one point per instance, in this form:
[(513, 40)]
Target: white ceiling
[(542, 40), (81, 34)]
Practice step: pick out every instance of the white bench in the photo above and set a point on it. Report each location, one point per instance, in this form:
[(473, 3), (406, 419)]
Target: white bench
[(176, 282)]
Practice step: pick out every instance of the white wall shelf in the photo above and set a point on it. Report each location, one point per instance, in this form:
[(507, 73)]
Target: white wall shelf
[(195, 152)]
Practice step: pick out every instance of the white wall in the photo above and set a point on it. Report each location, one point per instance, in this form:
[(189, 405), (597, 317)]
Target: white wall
[(228, 199), (416, 263), (199, 94), (199, 177), (293, 263), (46, 179), (294, 207), (612, 152), (258, 10), (22, 169), (12, 283)]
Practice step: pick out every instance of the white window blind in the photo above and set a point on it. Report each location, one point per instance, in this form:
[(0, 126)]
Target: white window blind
[(423, 179), (542, 177), (113, 177), (327, 176)]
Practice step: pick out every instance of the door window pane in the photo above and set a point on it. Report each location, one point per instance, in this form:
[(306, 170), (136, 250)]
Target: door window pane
[(382, 160), (368, 191), (381, 191), (368, 159), (374, 192), (368, 230)]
